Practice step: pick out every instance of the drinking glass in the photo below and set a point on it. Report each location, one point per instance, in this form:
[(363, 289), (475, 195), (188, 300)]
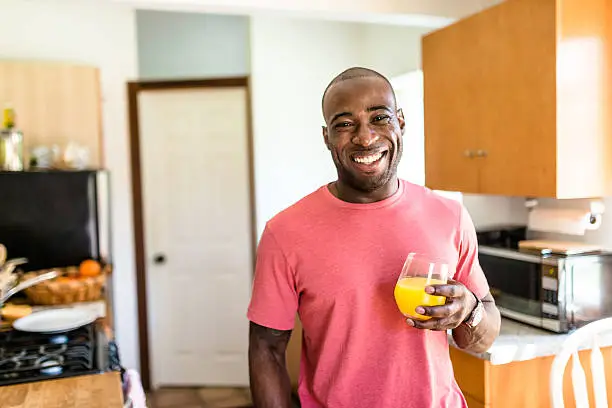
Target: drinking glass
[(418, 272)]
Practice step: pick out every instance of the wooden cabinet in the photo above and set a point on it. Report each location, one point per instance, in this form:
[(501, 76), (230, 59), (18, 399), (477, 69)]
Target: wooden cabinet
[(522, 384), (294, 353), (55, 103), (518, 100)]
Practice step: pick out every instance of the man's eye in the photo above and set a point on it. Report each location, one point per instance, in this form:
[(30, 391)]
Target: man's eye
[(382, 119), (342, 125)]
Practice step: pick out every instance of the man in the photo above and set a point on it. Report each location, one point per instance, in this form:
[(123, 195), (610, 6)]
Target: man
[(334, 257)]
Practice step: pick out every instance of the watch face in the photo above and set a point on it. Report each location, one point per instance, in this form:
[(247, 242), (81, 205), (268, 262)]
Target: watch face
[(477, 316)]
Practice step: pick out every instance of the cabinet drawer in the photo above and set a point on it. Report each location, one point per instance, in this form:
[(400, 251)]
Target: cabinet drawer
[(472, 403), (471, 375)]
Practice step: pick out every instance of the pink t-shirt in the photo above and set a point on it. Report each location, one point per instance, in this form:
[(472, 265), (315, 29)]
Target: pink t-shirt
[(336, 264)]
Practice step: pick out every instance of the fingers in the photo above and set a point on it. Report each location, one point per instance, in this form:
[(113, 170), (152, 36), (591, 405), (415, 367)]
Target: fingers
[(447, 316), (443, 311), (432, 324), (450, 290), (442, 317)]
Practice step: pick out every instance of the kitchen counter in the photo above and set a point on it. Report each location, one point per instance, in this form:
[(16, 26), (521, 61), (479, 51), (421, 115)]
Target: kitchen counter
[(91, 391), (521, 342)]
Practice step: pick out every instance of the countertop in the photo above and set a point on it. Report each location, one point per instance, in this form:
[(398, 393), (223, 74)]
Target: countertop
[(91, 391), (521, 342)]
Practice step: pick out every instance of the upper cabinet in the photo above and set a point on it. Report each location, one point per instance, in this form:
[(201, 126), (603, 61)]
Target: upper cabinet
[(518, 100), (55, 103)]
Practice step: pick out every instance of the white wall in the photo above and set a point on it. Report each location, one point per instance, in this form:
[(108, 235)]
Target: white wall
[(292, 61), (491, 210), (409, 94), (392, 50), (191, 45), (101, 34)]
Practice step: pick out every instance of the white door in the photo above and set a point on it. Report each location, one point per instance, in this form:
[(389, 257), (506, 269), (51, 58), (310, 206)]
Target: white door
[(194, 152)]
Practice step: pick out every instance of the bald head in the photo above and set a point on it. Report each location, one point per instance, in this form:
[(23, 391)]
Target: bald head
[(355, 73)]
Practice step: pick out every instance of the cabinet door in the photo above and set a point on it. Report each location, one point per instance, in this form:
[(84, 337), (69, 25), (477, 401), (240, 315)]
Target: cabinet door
[(473, 403), (472, 374), (452, 111), (294, 354), (517, 96), (55, 103)]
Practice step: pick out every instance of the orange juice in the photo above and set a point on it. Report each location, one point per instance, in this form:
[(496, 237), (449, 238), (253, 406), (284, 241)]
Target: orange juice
[(410, 293)]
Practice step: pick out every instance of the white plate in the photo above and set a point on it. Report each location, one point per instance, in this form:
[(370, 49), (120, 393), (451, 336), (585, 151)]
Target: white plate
[(55, 320)]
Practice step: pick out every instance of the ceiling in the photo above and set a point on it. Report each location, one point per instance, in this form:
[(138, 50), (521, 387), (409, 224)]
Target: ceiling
[(420, 13)]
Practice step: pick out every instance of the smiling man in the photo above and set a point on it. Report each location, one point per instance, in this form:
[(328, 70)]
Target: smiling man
[(334, 258)]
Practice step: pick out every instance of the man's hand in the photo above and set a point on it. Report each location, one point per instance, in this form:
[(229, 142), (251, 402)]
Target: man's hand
[(460, 302)]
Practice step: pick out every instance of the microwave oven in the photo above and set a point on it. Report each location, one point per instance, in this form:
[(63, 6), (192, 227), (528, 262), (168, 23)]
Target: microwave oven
[(554, 292)]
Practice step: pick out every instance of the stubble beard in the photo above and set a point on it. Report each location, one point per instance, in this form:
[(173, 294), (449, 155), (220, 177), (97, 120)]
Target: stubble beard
[(368, 184)]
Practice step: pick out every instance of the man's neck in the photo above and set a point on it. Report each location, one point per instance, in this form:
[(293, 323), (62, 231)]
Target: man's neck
[(352, 195)]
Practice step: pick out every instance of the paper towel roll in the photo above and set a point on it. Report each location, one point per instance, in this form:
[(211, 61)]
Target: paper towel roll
[(564, 221)]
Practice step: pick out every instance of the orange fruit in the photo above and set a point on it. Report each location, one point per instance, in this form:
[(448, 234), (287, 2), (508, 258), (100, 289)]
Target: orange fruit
[(90, 267)]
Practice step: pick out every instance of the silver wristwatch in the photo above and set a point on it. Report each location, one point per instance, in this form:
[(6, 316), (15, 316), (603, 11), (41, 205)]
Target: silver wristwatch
[(476, 315)]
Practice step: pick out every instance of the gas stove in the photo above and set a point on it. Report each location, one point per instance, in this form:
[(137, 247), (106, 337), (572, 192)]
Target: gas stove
[(26, 357)]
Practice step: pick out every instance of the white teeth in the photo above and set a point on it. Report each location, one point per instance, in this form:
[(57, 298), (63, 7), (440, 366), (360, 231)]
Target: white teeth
[(368, 159)]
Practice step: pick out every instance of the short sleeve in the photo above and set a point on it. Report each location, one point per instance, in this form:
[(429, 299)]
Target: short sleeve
[(469, 272), (274, 298)]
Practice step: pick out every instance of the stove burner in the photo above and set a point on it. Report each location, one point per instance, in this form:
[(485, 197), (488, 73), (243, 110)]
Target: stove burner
[(60, 339), (11, 354), (51, 367), (53, 349), (7, 365), (47, 361), (29, 356)]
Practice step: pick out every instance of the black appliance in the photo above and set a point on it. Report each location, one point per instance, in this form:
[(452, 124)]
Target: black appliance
[(55, 218), (26, 357)]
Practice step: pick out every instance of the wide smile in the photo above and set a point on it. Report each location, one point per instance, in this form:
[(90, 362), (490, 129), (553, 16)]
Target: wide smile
[(368, 161)]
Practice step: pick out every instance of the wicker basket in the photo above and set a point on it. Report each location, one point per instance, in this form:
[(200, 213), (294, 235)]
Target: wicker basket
[(60, 291)]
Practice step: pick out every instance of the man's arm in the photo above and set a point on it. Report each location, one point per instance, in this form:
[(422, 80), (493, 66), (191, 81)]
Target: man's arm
[(480, 338), (270, 384)]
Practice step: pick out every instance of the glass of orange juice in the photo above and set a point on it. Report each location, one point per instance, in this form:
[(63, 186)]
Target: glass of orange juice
[(417, 273)]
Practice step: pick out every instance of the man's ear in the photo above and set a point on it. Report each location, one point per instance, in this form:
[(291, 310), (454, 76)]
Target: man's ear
[(325, 136), (401, 120)]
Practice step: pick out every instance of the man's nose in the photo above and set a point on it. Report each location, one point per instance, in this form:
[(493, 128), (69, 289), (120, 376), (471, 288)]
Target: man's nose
[(365, 136)]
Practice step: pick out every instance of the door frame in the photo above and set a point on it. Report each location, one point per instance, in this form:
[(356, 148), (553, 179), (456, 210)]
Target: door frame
[(133, 90)]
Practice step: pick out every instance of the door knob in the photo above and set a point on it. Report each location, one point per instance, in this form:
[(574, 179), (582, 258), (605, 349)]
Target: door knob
[(159, 259), (468, 154), (481, 153)]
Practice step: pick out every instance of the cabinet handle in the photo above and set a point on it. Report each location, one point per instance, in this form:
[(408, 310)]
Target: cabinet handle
[(481, 153), (468, 153)]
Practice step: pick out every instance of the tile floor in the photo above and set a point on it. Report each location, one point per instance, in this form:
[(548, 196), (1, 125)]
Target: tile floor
[(200, 398)]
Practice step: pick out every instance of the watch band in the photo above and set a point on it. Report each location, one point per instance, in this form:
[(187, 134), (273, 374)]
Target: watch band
[(476, 316)]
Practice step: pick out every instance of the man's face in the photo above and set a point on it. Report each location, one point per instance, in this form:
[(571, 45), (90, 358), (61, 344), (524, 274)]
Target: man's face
[(364, 132)]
